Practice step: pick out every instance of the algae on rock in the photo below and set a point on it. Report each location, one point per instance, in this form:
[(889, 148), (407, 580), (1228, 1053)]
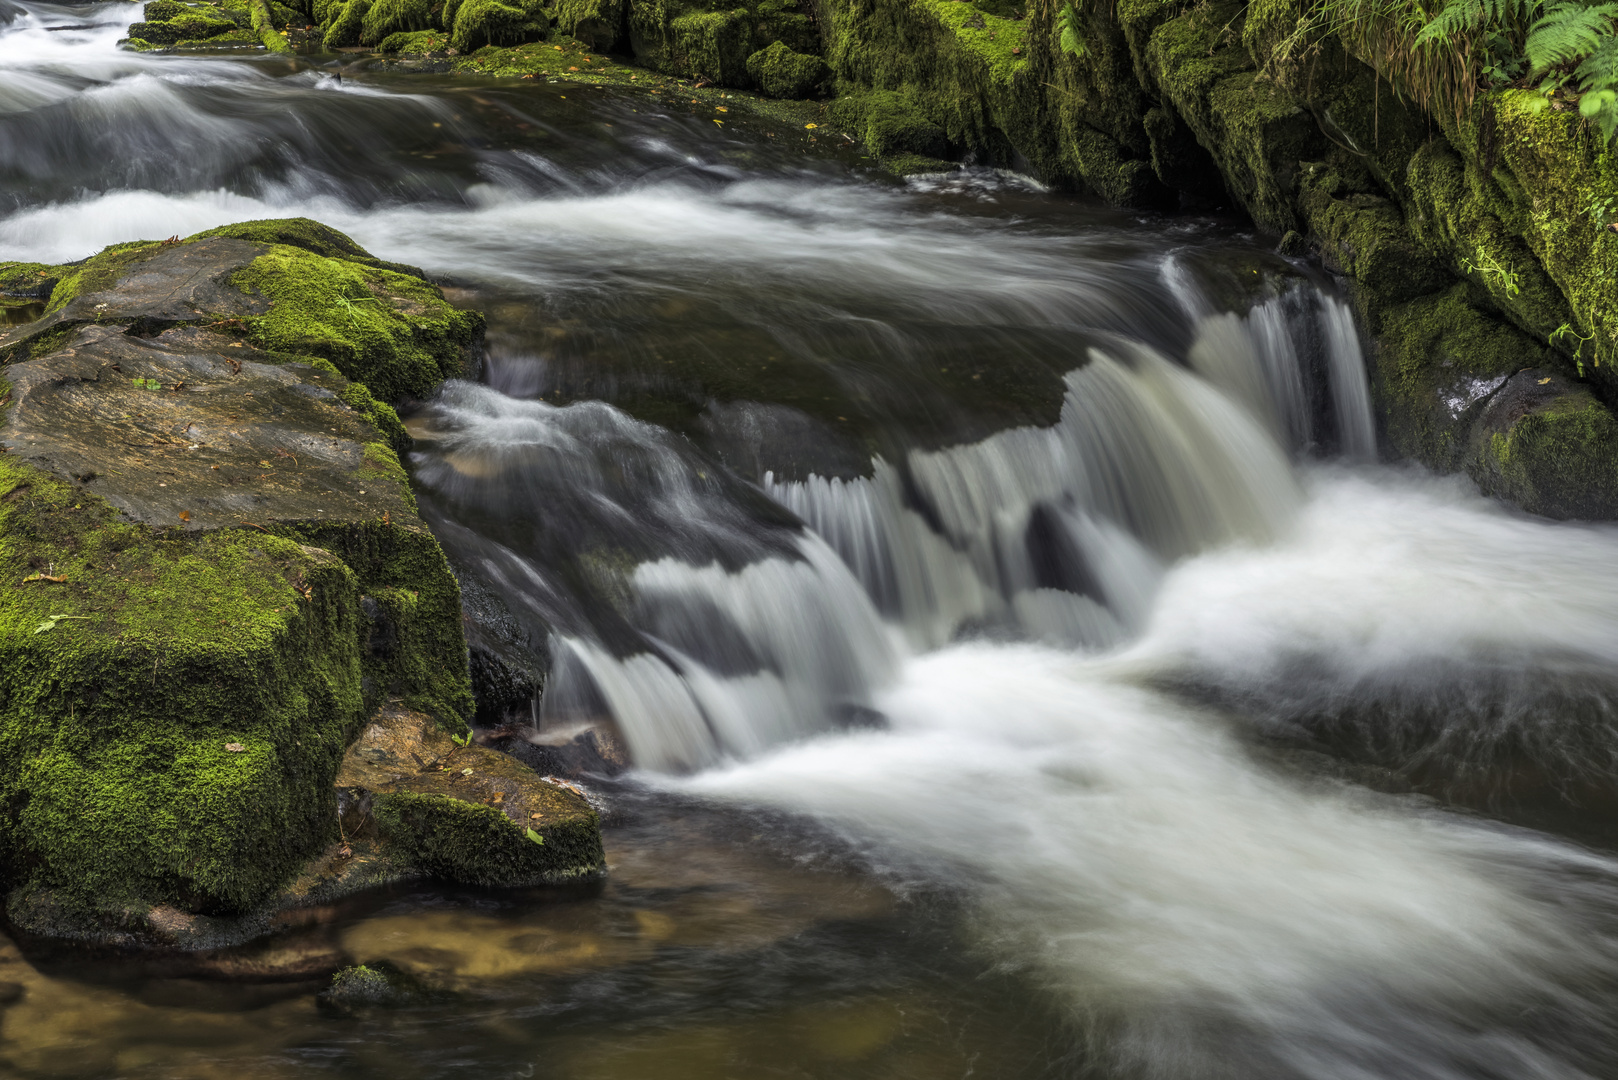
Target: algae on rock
[(217, 572)]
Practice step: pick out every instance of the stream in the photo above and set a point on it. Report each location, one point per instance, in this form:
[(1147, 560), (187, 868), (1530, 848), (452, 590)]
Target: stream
[(1028, 667)]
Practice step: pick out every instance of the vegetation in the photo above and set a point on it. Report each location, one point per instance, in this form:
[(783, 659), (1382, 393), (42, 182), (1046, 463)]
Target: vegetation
[(1442, 56)]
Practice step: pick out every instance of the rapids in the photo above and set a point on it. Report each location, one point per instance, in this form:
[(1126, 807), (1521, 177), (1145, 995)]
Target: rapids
[(1029, 669)]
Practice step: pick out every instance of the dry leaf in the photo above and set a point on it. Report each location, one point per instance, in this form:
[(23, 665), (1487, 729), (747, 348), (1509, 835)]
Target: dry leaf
[(185, 515), (235, 747), (1543, 381)]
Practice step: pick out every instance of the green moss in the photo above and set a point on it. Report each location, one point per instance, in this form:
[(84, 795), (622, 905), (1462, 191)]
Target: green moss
[(491, 22), (24, 284), (708, 40), (99, 272), (116, 733), (305, 233), (344, 22), (361, 985), (389, 17), (477, 844), (187, 27), (415, 43), (1437, 359), (889, 123), (268, 29), (1458, 212), (391, 331), (781, 73), (1560, 460), (163, 10), (1366, 237), (597, 24), (1569, 178)]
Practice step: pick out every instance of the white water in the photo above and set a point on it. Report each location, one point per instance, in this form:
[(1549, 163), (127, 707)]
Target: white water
[(1126, 847), (1195, 909)]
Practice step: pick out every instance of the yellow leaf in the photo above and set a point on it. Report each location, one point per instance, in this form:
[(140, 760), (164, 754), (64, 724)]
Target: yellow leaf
[(1542, 382), (811, 126)]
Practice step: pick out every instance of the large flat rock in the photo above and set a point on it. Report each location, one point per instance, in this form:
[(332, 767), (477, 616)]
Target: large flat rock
[(188, 430)]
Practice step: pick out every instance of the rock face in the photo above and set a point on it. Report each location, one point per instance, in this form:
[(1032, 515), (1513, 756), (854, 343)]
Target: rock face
[(211, 568)]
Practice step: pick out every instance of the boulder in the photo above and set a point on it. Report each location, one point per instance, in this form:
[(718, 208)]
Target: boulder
[(211, 571)]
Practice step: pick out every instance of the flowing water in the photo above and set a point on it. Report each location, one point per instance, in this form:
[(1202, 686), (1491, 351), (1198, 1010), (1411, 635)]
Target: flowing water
[(1028, 668)]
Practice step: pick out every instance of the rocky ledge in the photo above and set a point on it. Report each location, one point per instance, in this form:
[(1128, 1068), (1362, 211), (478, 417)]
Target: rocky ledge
[(213, 577)]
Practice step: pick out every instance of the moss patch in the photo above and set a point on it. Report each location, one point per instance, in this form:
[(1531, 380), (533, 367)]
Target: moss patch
[(393, 332), (174, 741)]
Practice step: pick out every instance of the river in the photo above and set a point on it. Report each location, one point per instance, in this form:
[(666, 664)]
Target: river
[(1029, 668)]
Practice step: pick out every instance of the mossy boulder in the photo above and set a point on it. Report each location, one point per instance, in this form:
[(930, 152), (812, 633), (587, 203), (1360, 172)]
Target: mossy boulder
[(602, 25), (1439, 362), (184, 27), (781, 73), (891, 124), (476, 23), (216, 573), (707, 40), (1546, 444)]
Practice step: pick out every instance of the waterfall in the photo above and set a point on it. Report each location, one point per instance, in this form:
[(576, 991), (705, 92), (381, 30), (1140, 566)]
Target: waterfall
[(738, 637)]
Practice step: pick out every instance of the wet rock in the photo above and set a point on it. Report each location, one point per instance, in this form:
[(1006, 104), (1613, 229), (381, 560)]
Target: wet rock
[(202, 534), (463, 813), (1549, 445), (570, 752), (782, 73), (353, 989)]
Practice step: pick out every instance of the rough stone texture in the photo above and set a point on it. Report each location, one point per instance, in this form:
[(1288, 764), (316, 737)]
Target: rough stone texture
[(187, 431), (215, 572), (463, 812)]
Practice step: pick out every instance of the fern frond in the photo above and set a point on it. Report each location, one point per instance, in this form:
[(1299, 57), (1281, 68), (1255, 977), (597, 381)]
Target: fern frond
[(1567, 33), (1072, 36), (1599, 70), (1459, 19)]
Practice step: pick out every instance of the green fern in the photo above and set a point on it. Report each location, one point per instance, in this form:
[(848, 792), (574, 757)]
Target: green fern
[(1072, 32), (1567, 33), (1461, 19)]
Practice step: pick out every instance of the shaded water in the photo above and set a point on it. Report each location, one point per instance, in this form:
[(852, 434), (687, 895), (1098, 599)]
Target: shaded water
[(1029, 670)]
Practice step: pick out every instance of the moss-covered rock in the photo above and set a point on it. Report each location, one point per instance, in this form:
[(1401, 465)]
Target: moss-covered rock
[(706, 40), (781, 73), (1439, 362), (1546, 444), (602, 25), (890, 124), (492, 22), (463, 812), (391, 331), (217, 573)]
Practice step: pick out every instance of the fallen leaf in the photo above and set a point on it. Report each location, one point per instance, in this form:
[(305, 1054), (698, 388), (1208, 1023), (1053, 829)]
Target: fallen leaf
[(811, 127), (185, 515), (235, 747), (45, 577), (466, 772), (1543, 381), (721, 108), (535, 817), (534, 836)]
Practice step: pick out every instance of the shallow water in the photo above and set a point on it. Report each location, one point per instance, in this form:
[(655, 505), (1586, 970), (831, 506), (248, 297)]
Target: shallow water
[(1029, 669)]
